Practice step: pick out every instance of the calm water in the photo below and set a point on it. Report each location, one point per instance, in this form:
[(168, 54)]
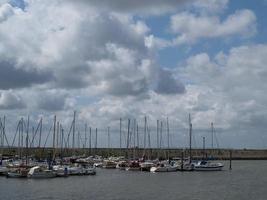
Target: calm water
[(247, 180)]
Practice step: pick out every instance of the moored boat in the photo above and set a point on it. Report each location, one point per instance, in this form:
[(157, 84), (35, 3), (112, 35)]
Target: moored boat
[(17, 173), (108, 164), (39, 172), (61, 171), (146, 166), (122, 165), (204, 165), (133, 166), (164, 167)]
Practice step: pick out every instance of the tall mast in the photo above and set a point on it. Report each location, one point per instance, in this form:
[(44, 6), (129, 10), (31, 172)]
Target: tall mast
[(85, 136), (145, 132), (168, 137), (19, 140), (128, 138), (40, 132), (95, 140), (203, 147), (54, 137), (137, 139), (108, 142), (134, 138), (120, 137), (27, 139), (160, 141), (158, 138), (2, 140), (73, 131), (61, 139), (22, 130), (212, 132), (58, 135), (190, 139), (90, 140)]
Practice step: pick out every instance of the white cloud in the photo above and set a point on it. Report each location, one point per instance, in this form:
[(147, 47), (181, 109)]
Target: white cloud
[(6, 10), (236, 81), (10, 100), (58, 57), (210, 6), (191, 27), (141, 7)]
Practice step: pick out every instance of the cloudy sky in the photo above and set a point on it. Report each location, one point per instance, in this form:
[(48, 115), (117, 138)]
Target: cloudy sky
[(115, 59)]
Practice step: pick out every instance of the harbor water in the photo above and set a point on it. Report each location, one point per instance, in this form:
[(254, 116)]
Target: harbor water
[(247, 180)]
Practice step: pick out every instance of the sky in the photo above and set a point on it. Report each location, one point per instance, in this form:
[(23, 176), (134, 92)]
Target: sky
[(125, 59)]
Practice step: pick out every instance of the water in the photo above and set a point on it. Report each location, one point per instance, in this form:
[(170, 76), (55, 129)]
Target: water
[(247, 180)]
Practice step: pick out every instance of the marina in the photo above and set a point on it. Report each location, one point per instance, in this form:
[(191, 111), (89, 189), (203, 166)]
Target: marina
[(133, 100), (243, 182)]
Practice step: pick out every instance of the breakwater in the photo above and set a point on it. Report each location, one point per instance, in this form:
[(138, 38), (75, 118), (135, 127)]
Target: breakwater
[(224, 154)]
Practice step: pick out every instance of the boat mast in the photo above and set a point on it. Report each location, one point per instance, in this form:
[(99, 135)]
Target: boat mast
[(21, 138), (145, 132), (168, 135), (73, 132), (90, 140), (108, 142), (158, 138), (27, 139), (127, 141), (40, 132), (120, 137), (203, 138), (190, 139), (54, 138), (212, 132), (137, 138), (95, 140), (85, 137), (160, 141), (2, 141), (134, 137)]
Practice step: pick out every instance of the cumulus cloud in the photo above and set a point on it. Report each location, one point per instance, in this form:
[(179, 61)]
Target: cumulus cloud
[(12, 77), (145, 7), (191, 27), (85, 49), (236, 81), (167, 84), (209, 6), (6, 10), (51, 100), (10, 100)]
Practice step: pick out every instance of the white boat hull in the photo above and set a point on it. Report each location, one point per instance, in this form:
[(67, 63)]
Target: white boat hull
[(164, 169), (208, 168), (132, 168)]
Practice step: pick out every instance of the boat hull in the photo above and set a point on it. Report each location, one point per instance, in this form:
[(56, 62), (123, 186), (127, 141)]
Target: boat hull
[(163, 169), (219, 168)]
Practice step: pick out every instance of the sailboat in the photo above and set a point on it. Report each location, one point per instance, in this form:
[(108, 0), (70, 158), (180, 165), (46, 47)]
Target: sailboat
[(122, 165), (17, 173), (133, 166), (40, 172), (165, 167), (204, 164)]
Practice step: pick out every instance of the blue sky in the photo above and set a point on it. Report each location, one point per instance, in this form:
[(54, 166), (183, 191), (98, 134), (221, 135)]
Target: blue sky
[(170, 57)]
